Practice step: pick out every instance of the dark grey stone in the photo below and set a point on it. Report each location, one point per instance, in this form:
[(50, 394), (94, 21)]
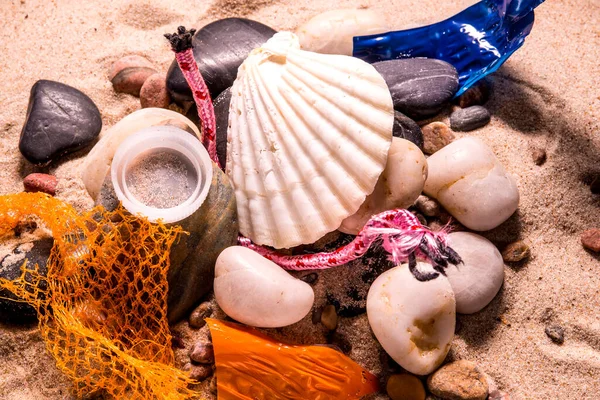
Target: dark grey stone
[(219, 49), (467, 119), (420, 87), (20, 312), (60, 120), (221, 105), (556, 333), (408, 129)]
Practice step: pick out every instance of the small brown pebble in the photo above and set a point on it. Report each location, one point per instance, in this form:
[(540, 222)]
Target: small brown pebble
[(129, 73), (516, 251), (538, 155), (200, 372), (154, 92), (310, 278), (405, 387), (202, 353), (329, 317), (460, 380), (40, 183), (590, 239), (196, 320), (436, 135), (428, 206), (476, 95), (556, 333)]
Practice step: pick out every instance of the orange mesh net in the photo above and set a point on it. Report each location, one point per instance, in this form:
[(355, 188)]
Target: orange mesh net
[(103, 309), (251, 365)]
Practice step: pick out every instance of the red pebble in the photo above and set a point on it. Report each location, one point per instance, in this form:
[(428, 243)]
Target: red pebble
[(40, 183)]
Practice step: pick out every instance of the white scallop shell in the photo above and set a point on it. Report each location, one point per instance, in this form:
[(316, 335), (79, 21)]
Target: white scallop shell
[(308, 138)]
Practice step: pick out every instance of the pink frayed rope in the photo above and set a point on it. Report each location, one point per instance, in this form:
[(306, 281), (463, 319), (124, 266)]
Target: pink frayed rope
[(182, 46), (400, 232)]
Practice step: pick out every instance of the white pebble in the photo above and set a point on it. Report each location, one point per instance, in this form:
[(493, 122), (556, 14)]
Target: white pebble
[(257, 292), (414, 321), (477, 281), (332, 31), (399, 185), (469, 181)]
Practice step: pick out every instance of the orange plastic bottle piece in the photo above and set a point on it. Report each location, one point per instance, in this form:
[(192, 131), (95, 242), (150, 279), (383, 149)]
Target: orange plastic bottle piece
[(251, 366)]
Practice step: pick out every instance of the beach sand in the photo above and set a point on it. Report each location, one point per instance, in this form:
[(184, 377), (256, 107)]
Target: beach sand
[(545, 96)]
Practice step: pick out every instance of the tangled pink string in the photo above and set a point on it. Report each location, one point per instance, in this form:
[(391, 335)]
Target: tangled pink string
[(399, 230)]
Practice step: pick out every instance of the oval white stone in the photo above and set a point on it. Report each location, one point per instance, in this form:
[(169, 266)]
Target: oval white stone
[(257, 292), (399, 185), (477, 281), (469, 181), (414, 321), (332, 31)]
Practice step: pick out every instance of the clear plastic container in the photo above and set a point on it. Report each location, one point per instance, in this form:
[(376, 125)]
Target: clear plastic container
[(162, 172)]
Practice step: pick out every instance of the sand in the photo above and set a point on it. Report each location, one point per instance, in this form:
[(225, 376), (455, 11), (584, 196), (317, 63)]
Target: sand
[(546, 96)]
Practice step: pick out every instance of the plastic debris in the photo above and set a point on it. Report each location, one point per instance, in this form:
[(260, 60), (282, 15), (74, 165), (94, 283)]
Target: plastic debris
[(476, 41), (251, 365)]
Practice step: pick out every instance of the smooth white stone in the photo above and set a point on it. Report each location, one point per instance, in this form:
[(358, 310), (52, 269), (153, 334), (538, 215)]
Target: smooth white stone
[(399, 185), (477, 281), (332, 31), (469, 181), (414, 321), (257, 292)]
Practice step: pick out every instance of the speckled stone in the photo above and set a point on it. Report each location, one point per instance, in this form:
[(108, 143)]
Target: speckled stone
[(420, 87), (470, 118), (460, 380), (436, 136)]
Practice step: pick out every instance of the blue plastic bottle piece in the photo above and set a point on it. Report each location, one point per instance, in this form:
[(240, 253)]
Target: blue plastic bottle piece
[(476, 41)]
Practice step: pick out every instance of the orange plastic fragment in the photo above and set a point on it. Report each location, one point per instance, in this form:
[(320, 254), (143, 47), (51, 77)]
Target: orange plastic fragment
[(251, 365)]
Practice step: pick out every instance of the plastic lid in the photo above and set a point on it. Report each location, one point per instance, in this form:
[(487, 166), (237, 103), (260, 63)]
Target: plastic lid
[(172, 140)]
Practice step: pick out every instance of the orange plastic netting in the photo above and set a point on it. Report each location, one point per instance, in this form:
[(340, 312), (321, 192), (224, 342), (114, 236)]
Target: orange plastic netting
[(103, 307)]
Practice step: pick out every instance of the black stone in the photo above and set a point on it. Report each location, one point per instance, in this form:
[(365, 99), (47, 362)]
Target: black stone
[(60, 120), (221, 106), (408, 129), (20, 312), (556, 333), (467, 119), (420, 87), (219, 49)]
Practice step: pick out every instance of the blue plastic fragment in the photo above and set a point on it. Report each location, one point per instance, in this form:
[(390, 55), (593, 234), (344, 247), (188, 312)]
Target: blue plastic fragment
[(476, 41)]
